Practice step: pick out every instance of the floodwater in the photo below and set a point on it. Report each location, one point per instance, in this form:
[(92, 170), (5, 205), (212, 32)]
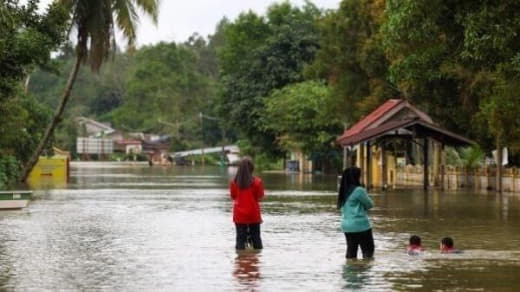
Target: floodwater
[(137, 228)]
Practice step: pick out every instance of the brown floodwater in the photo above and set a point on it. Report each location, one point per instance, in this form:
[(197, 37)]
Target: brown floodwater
[(140, 228)]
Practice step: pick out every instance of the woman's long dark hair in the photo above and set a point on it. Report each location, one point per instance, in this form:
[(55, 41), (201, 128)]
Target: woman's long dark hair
[(244, 176), (349, 181)]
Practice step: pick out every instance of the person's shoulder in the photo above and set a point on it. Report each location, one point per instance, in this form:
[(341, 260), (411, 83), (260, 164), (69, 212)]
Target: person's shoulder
[(360, 190)]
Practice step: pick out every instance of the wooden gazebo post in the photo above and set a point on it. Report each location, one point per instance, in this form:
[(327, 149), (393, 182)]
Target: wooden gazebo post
[(362, 160), (425, 163), (369, 165), (443, 170), (383, 166)]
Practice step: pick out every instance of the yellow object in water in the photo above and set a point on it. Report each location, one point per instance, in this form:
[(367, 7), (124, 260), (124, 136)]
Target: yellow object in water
[(49, 172)]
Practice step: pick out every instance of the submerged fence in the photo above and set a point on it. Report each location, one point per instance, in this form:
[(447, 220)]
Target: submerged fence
[(483, 178)]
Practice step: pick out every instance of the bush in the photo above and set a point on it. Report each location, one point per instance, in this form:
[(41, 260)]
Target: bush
[(9, 170), (209, 159)]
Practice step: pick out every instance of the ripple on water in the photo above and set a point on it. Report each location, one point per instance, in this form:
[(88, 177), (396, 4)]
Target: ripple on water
[(151, 229)]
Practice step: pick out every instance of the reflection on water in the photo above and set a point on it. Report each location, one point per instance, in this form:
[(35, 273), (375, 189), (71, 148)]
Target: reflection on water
[(247, 270), (121, 228), (356, 273)]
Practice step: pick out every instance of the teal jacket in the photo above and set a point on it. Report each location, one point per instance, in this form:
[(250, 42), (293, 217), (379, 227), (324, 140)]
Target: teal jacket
[(354, 216)]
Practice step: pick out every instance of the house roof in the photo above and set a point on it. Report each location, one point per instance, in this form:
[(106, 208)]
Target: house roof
[(371, 118), (102, 128), (417, 126), (389, 111)]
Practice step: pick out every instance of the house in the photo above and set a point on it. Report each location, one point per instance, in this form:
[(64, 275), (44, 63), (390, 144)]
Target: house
[(94, 128), (395, 132), (128, 146)]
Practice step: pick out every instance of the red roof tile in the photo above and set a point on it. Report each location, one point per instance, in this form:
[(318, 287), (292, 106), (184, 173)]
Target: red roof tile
[(430, 130), (370, 118)]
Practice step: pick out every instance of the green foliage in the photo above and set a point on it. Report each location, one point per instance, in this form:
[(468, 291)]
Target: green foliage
[(9, 170), (301, 116), (26, 39), (452, 157), (160, 89), (95, 22), (265, 161), (212, 159), (448, 56), (351, 58), (262, 54), (165, 92), (499, 111), (472, 157)]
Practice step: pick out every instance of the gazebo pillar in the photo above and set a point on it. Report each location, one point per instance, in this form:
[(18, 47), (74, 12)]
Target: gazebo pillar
[(361, 149), (442, 166), (425, 163), (384, 178), (347, 157), (369, 165)]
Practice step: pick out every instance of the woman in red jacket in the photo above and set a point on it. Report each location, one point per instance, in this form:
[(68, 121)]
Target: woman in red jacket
[(246, 192)]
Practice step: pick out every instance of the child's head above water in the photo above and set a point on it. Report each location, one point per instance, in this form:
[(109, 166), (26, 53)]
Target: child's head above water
[(414, 246), (447, 246), (415, 240), (446, 243)]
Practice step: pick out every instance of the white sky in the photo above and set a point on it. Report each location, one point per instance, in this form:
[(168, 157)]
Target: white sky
[(179, 19)]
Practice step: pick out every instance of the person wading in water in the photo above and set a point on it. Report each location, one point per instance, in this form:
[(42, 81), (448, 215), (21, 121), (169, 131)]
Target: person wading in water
[(354, 203), (246, 192)]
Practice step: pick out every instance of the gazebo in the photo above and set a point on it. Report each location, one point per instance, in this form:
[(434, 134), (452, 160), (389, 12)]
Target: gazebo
[(396, 119)]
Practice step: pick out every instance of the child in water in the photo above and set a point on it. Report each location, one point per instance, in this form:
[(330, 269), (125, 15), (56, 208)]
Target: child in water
[(247, 191), (447, 246), (414, 246)]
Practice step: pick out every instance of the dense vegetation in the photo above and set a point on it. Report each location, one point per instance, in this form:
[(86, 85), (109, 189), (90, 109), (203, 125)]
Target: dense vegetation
[(288, 80), (26, 40)]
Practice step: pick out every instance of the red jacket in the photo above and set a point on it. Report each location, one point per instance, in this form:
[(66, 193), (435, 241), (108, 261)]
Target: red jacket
[(246, 207)]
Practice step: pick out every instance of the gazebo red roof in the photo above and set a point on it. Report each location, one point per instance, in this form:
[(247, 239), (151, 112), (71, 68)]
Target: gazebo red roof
[(428, 129), (385, 119), (370, 118)]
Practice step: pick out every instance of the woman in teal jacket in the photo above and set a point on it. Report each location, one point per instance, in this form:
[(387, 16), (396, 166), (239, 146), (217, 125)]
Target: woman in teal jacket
[(354, 203)]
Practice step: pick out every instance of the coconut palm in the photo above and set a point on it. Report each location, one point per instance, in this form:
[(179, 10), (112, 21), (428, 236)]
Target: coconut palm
[(94, 22)]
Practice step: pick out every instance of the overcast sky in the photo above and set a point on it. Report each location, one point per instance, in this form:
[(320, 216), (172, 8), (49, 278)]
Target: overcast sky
[(179, 19)]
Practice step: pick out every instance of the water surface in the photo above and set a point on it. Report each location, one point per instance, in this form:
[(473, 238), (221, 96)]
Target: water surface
[(169, 229)]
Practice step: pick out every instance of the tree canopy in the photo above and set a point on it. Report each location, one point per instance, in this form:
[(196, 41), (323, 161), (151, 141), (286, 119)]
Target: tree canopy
[(26, 40)]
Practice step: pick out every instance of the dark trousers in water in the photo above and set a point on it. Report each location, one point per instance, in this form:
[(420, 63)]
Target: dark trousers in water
[(363, 239), (248, 231)]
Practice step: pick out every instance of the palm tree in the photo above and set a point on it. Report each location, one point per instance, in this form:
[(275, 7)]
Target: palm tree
[(94, 22)]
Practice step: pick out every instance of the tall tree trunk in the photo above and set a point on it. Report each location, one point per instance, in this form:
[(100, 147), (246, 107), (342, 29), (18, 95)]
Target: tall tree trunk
[(499, 164), (57, 118)]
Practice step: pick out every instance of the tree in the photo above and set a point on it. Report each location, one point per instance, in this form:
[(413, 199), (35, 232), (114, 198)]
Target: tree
[(262, 54), (352, 59), (303, 117), (459, 58), (94, 21), (165, 87), (26, 39)]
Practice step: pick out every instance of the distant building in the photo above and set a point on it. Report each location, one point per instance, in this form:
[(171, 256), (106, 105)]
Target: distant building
[(94, 128), (128, 146), (156, 147)]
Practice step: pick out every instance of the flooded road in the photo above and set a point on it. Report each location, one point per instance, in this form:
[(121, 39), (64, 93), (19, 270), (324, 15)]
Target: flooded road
[(152, 229)]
